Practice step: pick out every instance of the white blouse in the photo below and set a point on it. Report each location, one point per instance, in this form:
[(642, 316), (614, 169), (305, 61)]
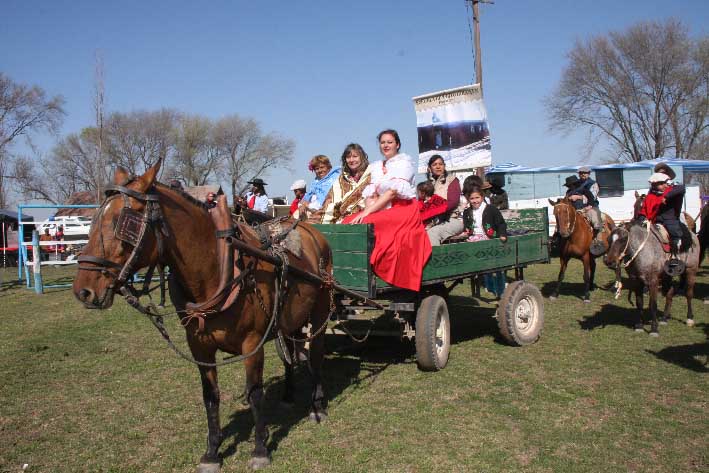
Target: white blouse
[(396, 173), (478, 220)]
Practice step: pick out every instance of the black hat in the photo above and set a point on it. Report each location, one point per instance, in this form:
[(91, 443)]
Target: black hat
[(665, 168), (257, 182), (571, 181)]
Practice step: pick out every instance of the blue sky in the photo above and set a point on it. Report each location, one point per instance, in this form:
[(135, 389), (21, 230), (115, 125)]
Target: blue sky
[(325, 73)]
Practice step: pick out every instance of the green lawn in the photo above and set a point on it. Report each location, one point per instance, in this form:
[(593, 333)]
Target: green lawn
[(100, 391)]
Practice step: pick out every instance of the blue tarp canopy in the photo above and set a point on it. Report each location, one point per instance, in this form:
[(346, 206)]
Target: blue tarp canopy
[(688, 164)]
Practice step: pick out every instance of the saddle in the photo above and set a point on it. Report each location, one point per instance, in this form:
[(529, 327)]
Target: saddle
[(660, 232)]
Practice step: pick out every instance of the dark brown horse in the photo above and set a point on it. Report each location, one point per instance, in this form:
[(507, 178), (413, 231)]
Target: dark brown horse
[(640, 198), (576, 235), (223, 306)]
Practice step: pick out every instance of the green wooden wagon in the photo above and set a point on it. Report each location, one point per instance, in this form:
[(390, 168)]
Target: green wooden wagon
[(424, 316)]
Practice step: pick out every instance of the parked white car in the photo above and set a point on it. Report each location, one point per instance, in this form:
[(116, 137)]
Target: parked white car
[(75, 227)]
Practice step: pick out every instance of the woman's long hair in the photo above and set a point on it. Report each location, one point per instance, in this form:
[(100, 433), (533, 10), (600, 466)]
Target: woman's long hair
[(432, 160), (362, 166)]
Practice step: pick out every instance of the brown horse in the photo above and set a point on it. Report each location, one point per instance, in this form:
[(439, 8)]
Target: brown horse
[(576, 235), (223, 306), (640, 198)]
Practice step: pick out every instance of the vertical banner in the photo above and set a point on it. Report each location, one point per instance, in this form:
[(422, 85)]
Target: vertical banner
[(453, 124)]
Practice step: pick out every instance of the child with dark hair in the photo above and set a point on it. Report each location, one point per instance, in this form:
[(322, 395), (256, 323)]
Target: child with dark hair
[(431, 205), (483, 221)]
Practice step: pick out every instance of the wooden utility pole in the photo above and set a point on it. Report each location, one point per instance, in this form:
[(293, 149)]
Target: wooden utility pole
[(476, 41)]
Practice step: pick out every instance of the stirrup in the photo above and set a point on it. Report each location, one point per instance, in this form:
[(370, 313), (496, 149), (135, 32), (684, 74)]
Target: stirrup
[(674, 267), (597, 247)]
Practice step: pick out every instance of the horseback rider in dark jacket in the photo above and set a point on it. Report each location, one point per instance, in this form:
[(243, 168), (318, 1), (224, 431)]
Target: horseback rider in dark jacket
[(663, 204), (593, 213)]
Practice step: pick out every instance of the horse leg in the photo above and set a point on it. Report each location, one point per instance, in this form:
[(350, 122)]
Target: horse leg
[(254, 384), (564, 260), (653, 308), (288, 398), (210, 394), (689, 294), (587, 277), (666, 314), (593, 272), (639, 305), (318, 412)]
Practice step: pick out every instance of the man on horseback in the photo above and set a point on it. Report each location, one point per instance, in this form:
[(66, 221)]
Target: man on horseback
[(663, 204), (591, 210)]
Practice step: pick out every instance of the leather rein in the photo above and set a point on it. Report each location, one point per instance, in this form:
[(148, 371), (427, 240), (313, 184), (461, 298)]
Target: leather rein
[(132, 228)]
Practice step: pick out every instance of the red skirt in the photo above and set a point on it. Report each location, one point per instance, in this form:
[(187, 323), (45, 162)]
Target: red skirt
[(401, 245)]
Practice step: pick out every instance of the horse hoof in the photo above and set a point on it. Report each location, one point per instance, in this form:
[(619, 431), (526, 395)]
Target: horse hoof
[(587, 301), (208, 468), (318, 417), (553, 298), (638, 330), (663, 322), (654, 334), (706, 301), (256, 463), (690, 322)]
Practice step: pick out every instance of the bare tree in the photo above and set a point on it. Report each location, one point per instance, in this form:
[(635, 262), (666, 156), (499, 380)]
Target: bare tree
[(136, 140), (245, 153), (643, 89), (23, 111), (99, 103), (196, 158)]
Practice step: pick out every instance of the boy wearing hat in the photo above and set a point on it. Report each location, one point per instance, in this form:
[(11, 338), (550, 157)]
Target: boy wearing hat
[(593, 213), (663, 204), (298, 188), (577, 194), (256, 198)]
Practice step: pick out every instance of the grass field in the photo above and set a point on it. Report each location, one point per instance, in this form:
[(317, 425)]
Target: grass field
[(100, 391)]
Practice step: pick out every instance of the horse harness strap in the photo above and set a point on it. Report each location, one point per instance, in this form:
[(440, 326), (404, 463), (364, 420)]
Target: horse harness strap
[(130, 228)]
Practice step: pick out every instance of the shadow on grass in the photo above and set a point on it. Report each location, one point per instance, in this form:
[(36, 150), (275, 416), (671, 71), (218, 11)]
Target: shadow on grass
[(8, 285), (573, 288), (687, 356), (339, 373), (609, 314)]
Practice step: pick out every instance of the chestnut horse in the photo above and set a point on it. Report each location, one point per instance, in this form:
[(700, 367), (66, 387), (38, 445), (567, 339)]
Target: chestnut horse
[(223, 306), (576, 236)]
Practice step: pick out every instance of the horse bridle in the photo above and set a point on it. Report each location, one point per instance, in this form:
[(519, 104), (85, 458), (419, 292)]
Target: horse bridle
[(570, 210), (131, 228)]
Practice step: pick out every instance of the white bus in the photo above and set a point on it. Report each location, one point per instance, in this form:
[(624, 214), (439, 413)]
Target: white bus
[(532, 187)]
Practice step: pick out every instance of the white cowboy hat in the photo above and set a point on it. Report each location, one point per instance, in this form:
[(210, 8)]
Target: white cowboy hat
[(658, 177), (299, 184)]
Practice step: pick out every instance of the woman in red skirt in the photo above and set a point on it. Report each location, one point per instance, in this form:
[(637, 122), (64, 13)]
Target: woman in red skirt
[(401, 246)]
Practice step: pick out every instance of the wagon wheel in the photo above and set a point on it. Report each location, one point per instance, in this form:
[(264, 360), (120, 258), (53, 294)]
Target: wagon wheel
[(520, 314), (433, 336)]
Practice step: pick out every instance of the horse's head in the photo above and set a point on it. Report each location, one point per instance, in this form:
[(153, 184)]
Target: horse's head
[(121, 240), (618, 242), (639, 199), (565, 215)]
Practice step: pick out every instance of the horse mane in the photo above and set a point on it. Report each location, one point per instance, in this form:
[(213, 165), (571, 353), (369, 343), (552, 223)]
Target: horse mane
[(184, 194)]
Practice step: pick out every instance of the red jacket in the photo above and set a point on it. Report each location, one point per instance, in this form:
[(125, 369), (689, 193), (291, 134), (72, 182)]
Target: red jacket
[(436, 205), (652, 203), (294, 206)]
